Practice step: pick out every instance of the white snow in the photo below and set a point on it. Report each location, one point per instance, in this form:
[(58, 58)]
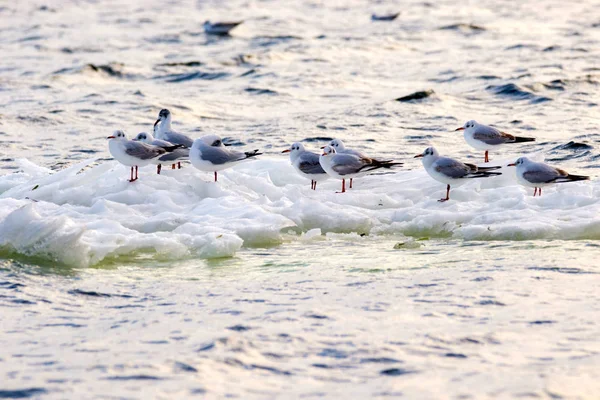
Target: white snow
[(87, 214)]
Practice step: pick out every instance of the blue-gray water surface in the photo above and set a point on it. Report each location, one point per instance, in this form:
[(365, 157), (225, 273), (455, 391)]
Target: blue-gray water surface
[(256, 287)]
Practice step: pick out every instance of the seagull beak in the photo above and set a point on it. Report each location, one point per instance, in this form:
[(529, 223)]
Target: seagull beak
[(111, 137), (418, 156), (286, 151), (323, 147), (459, 129), (324, 154), (512, 165), (157, 121)]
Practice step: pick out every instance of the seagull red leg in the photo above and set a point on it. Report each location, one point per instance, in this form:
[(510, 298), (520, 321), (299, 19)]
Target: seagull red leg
[(172, 166), (178, 164), (540, 192), (136, 173), (131, 179), (315, 186), (215, 176), (447, 195), (158, 167), (534, 192), (350, 183), (487, 159)]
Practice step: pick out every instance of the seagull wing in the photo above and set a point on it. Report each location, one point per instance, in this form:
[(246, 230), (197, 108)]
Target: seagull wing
[(309, 164), (142, 151)]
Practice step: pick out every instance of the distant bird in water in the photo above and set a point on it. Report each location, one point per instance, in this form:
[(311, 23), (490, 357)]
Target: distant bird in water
[(537, 175), (483, 137), (451, 171), (220, 28), (133, 153), (169, 158), (307, 164), (386, 17)]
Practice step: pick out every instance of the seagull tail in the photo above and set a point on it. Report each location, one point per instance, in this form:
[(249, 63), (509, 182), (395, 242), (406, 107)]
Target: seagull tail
[(252, 153), (485, 169), (519, 139), (169, 149), (572, 178)]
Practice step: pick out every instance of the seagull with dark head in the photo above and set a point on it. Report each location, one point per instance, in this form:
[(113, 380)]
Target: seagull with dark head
[(163, 130)]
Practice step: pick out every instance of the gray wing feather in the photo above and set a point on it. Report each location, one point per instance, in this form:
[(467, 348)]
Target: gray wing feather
[(452, 168), (161, 143), (178, 138), (309, 164), (492, 136), (142, 150), (346, 164), (176, 155), (541, 173), (219, 155)]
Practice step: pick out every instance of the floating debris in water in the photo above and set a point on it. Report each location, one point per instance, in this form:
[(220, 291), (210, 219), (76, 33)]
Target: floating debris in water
[(423, 94)]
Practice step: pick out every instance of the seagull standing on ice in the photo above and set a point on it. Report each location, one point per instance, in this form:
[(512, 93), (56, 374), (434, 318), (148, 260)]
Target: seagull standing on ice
[(348, 166), (483, 137), (163, 131), (537, 175), (208, 154), (340, 148), (307, 164), (133, 153), (220, 28), (169, 158), (450, 171)]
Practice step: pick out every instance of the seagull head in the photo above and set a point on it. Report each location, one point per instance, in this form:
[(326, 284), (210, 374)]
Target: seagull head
[(468, 125), (295, 148), (429, 156), (337, 144), (212, 140), (328, 151), (520, 161), (118, 135), (163, 115), (144, 137)]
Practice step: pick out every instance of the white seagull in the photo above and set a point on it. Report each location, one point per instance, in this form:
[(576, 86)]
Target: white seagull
[(307, 164), (170, 158), (132, 153), (208, 154), (340, 148), (163, 131), (537, 175), (486, 138), (220, 28), (450, 171), (348, 166)]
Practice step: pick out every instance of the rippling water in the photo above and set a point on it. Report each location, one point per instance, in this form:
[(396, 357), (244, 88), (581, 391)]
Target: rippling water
[(258, 287)]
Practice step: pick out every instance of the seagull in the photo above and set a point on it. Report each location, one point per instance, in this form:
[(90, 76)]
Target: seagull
[(175, 155), (307, 164), (342, 166), (134, 154), (483, 137), (537, 175), (163, 131), (450, 171), (220, 28), (208, 154), (340, 148)]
